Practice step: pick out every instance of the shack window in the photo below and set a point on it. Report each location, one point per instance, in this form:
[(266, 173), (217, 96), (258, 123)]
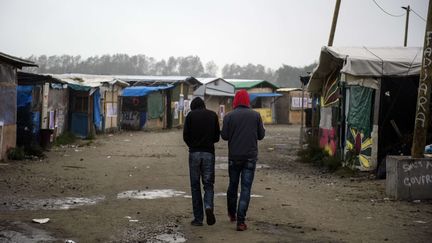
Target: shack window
[(81, 104)]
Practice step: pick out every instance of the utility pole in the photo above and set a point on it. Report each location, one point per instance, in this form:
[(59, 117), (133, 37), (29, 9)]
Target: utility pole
[(424, 92), (333, 27), (406, 24)]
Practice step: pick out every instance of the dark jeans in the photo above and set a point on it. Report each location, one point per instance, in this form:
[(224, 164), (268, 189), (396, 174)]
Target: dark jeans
[(246, 171), (201, 166)]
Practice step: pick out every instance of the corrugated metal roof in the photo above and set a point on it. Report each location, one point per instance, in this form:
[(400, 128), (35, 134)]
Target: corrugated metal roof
[(92, 80), (249, 83), (25, 78), (16, 61), (160, 79), (89, 80)]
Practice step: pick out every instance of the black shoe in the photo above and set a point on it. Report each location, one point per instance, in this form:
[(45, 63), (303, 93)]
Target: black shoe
[(196, 223), (211, 220)]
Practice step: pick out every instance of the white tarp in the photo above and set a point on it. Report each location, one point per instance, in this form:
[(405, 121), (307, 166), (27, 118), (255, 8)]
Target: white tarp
[(366, 62)]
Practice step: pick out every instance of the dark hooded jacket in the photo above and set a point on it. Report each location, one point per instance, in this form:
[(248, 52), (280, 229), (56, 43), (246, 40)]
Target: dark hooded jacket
[(242, 127), (201, 128)]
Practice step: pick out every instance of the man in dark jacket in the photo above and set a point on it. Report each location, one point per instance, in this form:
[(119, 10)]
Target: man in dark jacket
[(201, 131), (242, 128)]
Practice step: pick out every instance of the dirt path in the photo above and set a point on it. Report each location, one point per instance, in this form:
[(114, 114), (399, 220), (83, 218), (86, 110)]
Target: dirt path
[(134, 187)]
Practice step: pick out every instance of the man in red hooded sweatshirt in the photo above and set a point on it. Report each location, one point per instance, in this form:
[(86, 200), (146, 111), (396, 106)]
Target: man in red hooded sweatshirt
[(242, 128)]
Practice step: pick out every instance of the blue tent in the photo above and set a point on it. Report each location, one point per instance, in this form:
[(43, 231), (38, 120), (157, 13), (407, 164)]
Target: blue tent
[(253, 96), (143, 90)]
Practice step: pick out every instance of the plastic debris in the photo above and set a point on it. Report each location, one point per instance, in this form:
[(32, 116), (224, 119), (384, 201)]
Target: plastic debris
[(41, 221), (420, 222), (69, 241)]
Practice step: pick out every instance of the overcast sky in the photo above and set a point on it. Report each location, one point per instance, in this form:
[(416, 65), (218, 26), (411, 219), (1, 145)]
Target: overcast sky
[(268, 32)]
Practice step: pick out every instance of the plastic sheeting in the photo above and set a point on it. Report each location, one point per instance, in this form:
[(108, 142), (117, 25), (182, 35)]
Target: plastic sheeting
[(142, 90), (155, 104), (360, 109), (24, 95), (97, 117), (366, 62)]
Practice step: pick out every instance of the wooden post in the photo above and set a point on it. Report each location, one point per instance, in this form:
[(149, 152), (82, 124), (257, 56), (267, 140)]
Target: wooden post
[(406, 24), (333, 27), (423, 99)]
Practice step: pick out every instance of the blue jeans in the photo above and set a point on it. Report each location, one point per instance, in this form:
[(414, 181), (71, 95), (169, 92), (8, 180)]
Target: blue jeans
[(246, 171), (201, 166)]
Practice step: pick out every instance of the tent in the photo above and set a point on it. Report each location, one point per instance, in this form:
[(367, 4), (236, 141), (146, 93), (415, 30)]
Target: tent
[(363, 93)]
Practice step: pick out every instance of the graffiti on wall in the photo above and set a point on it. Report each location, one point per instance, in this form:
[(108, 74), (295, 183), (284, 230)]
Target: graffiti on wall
[(131, 120), (424, 94), (359, 147)]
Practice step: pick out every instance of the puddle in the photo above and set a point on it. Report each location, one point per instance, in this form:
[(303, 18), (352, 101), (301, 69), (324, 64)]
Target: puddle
[(150, 194), (170, 238), (223, 194), (21, 232), (224, 166), (50, 203)]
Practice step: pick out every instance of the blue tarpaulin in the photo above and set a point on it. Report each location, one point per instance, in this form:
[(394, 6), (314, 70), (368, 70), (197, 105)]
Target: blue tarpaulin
[(142, 90), (97, 110), (24, 95), (253, 96)]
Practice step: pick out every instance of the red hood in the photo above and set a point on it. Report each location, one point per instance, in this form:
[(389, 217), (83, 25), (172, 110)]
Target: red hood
[(241, 98)]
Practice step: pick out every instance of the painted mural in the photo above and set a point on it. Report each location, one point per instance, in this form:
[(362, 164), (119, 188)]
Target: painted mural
[(328, 140), (359, 148), (330, 91), (328, 102)]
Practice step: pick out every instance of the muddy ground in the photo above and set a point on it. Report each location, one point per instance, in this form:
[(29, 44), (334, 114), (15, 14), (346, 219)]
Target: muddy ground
[(134, 187)]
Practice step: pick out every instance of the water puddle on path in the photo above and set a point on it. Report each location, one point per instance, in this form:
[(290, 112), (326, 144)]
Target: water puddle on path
[(223, 194), (170, 238), (50, 203), (150, 194)]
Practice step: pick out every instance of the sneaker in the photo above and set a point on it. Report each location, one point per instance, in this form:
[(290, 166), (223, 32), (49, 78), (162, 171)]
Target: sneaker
[(196, 223), (241, 227), (211, 220), (232, 217)]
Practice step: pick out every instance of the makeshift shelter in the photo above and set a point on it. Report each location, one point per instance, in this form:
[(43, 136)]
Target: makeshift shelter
[(8, 99), (144, 107), (262, 95), (217, 94), (93, 102), (43, 103), (289, 107), (177, 99), (367, 100)]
